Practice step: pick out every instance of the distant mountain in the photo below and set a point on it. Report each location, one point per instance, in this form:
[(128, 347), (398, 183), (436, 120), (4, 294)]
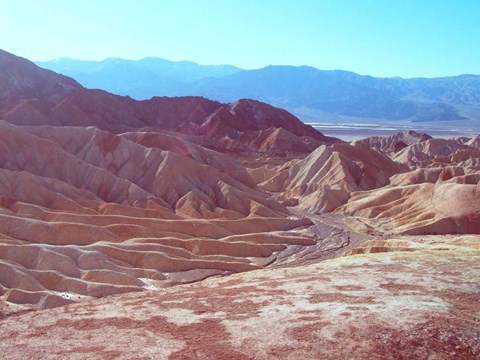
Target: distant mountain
[(345, 93), (302, 90), (141, 79)]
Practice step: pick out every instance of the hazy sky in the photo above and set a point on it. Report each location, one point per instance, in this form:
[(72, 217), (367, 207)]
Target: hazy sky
[(407, 38)]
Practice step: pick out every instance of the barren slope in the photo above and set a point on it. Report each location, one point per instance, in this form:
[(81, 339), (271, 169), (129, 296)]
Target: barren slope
[(414, 299), (323, 180), (438, 152), (88, 213), (419, 209), (440, 195)]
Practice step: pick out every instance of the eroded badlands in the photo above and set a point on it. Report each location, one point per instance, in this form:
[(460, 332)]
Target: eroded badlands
[(109, 207)]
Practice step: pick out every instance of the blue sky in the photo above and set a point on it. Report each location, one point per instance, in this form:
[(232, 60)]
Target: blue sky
[(406, 38)]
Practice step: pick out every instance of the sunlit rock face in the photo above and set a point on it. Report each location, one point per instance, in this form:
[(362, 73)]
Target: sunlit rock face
[(90, 213), (325, 178), (419, 209), (89, 210), (439, 195), (367, 249)]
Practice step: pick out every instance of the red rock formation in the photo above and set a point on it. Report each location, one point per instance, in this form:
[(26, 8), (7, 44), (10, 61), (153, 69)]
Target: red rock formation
[(34, 96), (439, 196), (434, 152), (474, 142), (419, 209), (457, 174)]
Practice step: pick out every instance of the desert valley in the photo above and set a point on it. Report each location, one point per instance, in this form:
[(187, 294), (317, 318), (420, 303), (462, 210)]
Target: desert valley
[(183, 227)]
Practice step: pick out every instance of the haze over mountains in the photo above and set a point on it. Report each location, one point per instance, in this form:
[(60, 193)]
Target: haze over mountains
[(306, 91), (109, 206)]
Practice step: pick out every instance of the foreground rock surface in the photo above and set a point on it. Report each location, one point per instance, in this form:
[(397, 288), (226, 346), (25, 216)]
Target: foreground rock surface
[(403, 298)]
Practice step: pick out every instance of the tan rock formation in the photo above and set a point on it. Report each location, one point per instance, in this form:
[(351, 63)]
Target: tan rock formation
[(323, 180), (97, 212), (445, 208)]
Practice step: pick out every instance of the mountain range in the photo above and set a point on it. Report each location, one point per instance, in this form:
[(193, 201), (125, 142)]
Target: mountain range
[(308, 92), (144, 219)]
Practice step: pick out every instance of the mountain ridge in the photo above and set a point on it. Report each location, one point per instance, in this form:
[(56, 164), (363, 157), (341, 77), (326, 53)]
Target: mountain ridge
[(70, 59), (30, 95), (336, 92)]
